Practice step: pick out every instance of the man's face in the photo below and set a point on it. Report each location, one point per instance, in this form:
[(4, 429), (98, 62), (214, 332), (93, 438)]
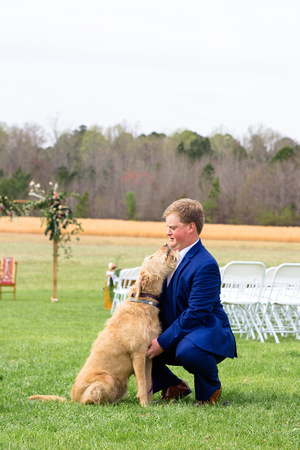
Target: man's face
[(178, 232)]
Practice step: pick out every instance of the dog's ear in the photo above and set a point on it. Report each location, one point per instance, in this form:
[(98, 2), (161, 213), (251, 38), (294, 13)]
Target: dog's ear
[(141, 283), (144, 280)]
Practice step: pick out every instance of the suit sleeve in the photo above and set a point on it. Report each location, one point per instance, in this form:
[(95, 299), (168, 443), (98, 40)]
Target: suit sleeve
[(201, 297)]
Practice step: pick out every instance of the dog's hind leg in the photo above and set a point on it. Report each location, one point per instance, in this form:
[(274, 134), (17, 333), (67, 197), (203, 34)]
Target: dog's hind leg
[(103, 390), (139, 367)]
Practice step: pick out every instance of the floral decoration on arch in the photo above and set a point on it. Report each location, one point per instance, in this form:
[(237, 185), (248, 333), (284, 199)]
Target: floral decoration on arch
[(9, 207), (55, 210)]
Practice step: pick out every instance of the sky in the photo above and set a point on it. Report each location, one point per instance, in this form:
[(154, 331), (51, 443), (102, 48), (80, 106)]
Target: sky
[(165, 65)]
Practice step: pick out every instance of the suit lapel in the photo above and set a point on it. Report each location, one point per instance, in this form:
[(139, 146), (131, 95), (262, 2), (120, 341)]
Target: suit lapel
[(175, 278)]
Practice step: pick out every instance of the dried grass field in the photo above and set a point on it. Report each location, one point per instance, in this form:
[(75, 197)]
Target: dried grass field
[(127, 243), (107, 227)]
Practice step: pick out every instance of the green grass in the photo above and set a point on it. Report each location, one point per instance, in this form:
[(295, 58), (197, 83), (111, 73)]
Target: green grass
[(44, 345)]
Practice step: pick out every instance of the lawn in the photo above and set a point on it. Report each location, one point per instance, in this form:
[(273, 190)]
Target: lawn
[(44, 345)]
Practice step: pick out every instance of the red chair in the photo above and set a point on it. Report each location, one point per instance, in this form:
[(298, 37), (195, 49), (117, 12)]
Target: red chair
[(8, 274)]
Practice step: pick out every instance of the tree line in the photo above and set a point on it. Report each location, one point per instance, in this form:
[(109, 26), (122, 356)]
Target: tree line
[(119, 174)]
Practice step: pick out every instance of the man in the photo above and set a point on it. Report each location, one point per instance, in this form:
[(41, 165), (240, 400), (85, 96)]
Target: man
[(196, 331)]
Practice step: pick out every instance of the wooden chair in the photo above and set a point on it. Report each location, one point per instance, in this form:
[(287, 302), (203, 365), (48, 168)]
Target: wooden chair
[(8, 274)]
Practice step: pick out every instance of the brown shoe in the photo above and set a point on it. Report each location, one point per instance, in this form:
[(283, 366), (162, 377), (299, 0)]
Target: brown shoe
[(212, 400), (175, 392)]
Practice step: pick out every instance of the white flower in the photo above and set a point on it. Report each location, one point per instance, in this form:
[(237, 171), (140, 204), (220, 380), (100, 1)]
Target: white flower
[(36, 195), (31, 183)]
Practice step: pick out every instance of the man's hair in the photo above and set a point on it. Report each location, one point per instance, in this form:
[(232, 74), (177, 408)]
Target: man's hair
[(188, 211)]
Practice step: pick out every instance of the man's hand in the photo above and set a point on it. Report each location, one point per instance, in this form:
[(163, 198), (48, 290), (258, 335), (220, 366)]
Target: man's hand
[(154, 350)]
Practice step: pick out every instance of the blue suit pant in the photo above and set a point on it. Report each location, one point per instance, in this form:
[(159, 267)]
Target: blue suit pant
[(202, 364)]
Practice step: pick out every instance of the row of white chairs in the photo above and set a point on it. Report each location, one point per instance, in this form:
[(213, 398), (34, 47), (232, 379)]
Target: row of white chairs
[(261, 302), (127, 278)]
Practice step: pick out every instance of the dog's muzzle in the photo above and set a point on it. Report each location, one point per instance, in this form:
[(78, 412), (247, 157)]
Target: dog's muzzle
[(169, 249)]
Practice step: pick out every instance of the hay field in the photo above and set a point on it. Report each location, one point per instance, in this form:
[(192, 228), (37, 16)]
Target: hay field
[(126, 228)]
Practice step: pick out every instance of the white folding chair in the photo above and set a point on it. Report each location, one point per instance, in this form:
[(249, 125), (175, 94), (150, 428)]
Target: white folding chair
[(134, 275), (120, 290), (282, 304), (221, 271), (242, 283), (263, 316), (269, 275), (127, 278)]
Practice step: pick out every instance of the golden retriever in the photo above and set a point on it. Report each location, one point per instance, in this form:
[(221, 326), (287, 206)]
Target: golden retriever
[(120, 349)]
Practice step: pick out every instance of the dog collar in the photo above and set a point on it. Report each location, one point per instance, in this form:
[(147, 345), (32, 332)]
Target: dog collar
[(132, 299), (142, 301)]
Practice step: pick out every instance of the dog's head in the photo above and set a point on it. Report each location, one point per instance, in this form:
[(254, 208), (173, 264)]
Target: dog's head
[(155, 269)]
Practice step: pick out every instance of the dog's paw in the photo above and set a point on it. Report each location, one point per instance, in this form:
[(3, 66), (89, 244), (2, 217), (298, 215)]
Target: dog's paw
[(144, 401)]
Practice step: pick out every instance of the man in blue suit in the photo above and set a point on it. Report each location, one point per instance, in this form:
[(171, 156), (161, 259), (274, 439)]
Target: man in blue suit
[(196, 331)]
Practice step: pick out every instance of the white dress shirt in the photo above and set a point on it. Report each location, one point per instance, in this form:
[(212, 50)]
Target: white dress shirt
[(182, 254)]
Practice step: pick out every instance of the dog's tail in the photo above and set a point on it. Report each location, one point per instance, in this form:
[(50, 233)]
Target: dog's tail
[(46, 398)]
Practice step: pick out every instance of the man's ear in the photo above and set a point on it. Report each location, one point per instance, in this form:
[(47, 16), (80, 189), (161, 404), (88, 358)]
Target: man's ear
[(192, 227)]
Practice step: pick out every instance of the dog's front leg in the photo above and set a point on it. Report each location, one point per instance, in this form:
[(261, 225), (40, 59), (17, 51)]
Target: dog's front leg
[(149, 382), (139, 367)]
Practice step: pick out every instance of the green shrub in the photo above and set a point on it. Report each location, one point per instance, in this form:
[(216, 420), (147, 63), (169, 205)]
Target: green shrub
[(83, 206), (283, 154), (16, 186), (131, 205), (285, 218)]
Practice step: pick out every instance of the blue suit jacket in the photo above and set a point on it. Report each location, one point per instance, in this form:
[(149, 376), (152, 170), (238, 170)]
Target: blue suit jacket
[(190, 306)]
